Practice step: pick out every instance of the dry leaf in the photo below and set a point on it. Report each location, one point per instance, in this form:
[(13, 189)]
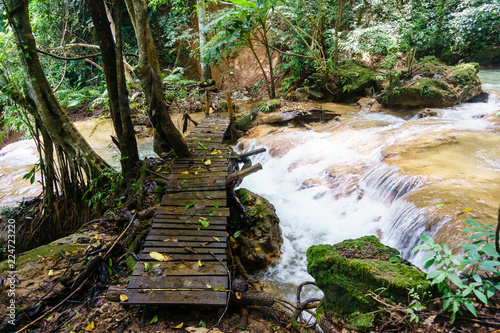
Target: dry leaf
[(175, 240), (90, 327), (467, 210), (208, 285), (257, 249), (208, 162), (185, 172), (190, 249), (211, 182), (219, 288), (50, 272), (123, 298), (200, 264), (160, 257), (178, 326)]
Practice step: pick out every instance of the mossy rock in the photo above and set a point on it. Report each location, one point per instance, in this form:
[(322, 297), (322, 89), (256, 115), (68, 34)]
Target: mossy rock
[(435, 85), (353, 79), (348, 271), (45, 252), (245, 122), (261, 238)]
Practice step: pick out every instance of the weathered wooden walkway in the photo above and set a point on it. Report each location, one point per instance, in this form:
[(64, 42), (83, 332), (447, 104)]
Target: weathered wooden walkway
[(189, 228)]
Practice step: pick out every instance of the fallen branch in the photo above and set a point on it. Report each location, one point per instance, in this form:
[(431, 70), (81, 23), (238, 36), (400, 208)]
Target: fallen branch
[(234, 177)]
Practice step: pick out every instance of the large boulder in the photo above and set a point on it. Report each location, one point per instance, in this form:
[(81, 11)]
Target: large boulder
[(349, 271), (260, 237), (434, 84)]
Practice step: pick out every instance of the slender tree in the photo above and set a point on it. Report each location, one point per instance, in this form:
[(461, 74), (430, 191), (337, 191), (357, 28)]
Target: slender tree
[(77, 163), (112, 60), (202, 21), (149, 73)]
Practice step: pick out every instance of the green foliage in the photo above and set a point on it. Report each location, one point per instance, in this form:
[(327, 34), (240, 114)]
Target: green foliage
[(76, 97), (269, 106), (482, 261), (176, 85), (103, 191)]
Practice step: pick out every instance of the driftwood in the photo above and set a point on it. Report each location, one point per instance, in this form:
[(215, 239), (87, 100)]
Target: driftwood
[(253, 298), (242, 157), (234, 177), (313, 115)]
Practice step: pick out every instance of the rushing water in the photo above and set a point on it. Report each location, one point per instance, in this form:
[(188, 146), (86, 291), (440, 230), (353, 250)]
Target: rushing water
[(396, 177)]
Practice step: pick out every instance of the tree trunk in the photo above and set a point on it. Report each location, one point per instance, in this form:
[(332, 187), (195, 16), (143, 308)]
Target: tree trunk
[(205, 70), (337, 27), (115, 82), (272, 93), (70, 147), (149, 74)]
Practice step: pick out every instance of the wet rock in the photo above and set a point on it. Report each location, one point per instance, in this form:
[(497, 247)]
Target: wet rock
[(369, 104), (353, 80), (261, 238), (428, 112), (436, 85), (297, 96), (395, 151), (346, 272)]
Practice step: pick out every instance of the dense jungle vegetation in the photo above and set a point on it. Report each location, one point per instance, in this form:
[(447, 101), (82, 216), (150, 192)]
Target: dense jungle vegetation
[(61, 58)]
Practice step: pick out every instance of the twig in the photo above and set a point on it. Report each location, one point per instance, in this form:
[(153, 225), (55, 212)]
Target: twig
[(54, 307), (228, 292), (119, 237), (157, 174)]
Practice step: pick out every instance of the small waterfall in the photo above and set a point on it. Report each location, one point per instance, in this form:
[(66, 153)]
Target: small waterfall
[(386, 184)]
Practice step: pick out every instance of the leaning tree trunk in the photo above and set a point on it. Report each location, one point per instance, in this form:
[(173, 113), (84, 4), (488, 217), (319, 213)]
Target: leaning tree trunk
[(149, 74), (205, 69), (82, 163), (117, 90)]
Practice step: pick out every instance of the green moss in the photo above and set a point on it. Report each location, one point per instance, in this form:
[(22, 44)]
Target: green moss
[(243, 123), (270, 105), (354, 78), (49, 251), (463, 74), (348, 271), (435, 88), (430, 65)]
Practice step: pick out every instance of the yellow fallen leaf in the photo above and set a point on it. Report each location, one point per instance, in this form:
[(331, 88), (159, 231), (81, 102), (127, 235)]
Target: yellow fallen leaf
[(219, 288), (216, 128), (178, 326), (208, 285), (123, 298), (51, 272), (160, 257), (208, 162), (257, 249), (90, 327), (132, 211), (467, 210), (185, 172), (199, 263)]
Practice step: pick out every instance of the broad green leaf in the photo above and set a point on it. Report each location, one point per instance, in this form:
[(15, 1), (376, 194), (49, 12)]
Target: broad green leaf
[(154, 320), (469, 247), (488, 265), (428, 256), (470, 306), (480, 296), (433, 274), (427, 239), (429, 263), (421, 247), (489, 249), (237, 233), (455, 279), (473, 223), (203, 221)]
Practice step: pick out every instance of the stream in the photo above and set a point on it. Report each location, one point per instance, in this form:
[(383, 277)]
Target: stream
[(386, 174)]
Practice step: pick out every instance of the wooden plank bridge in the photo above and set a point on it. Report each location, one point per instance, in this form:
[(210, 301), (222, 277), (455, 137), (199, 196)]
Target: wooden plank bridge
[(189, 228)]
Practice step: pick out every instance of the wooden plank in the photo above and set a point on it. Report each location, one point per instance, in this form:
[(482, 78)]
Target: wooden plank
[(180, 250), (195, 187), (186, 238), (187, 201), (197, 195), (187, 226), (176, 268), (180, 233), (200, 175), (195, 210), (181, 256), (195, 245), (208, 297), (206, 181), (192, 218), (194, 221), (178, 282)]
